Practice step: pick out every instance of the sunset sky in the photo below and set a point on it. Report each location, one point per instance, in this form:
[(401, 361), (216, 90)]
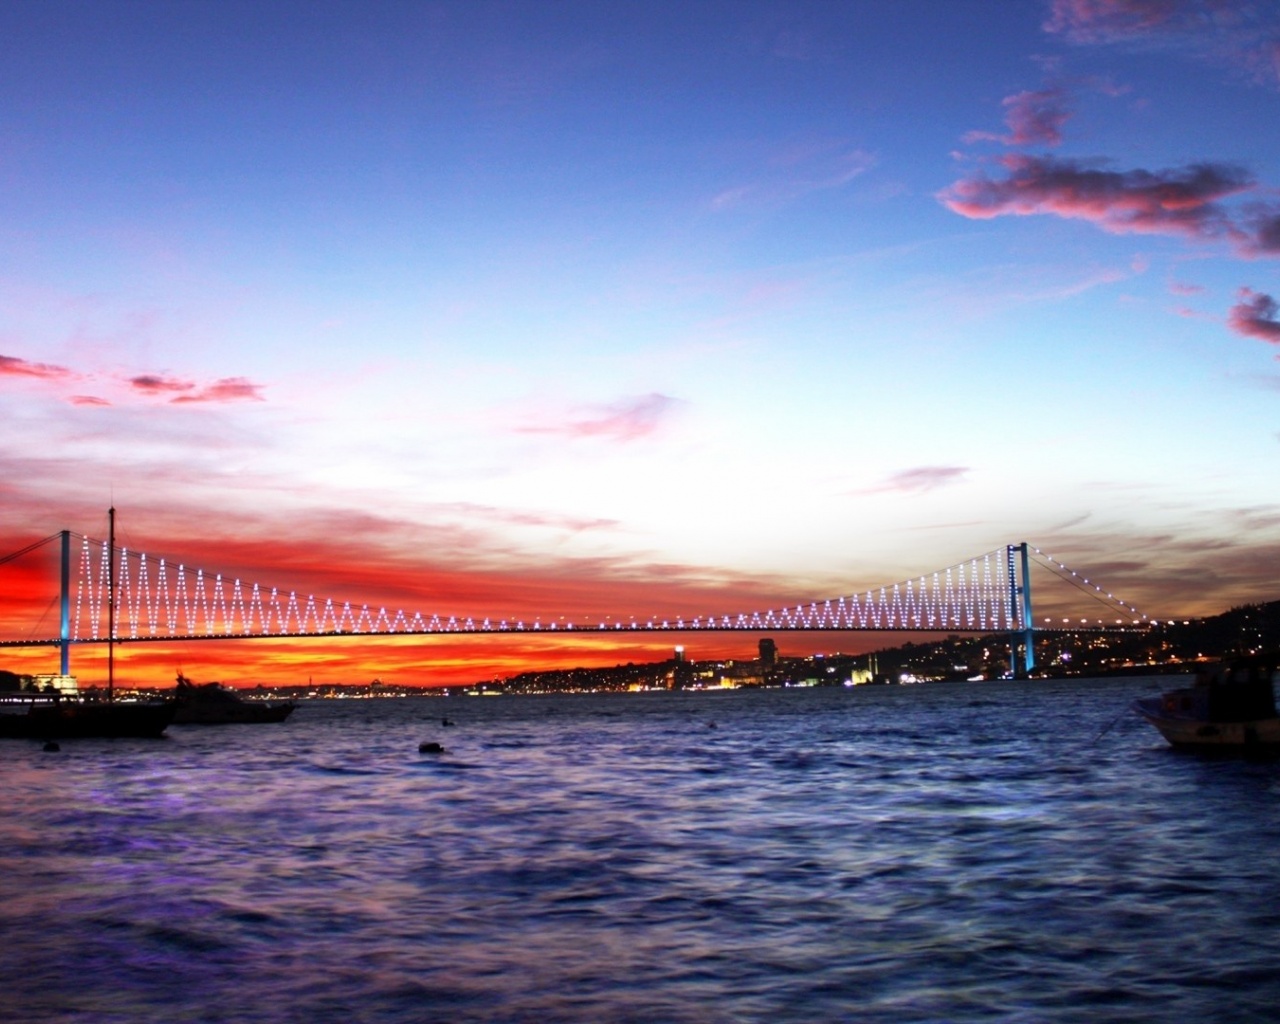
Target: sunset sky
[(544, 308)]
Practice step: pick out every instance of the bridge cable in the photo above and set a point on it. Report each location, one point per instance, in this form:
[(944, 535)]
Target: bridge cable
[(44, 615), (1110, 603), (29, 548)]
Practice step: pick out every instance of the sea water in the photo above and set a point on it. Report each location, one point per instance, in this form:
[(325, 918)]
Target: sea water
[(945, 852)]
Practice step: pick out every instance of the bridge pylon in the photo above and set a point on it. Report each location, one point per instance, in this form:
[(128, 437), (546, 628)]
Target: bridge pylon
[(64, 626), (1020, 610)]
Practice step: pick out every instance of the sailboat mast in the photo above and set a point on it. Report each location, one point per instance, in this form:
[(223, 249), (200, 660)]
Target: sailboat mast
[(111, 603)]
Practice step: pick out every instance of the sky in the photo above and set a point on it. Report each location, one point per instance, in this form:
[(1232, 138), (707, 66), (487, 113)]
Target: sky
[(566, 308)]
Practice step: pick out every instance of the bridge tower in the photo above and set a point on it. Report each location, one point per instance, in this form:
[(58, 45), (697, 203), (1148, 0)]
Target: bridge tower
[(64, 629), (1020, 609)]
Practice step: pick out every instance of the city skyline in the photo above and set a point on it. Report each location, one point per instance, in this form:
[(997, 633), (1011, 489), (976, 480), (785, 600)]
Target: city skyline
[(519, 309)]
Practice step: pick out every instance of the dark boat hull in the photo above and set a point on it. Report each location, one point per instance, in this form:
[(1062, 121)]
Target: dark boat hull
[(1183, 729), (1232, 706), (231, 714), (215, 704), (85, 720)]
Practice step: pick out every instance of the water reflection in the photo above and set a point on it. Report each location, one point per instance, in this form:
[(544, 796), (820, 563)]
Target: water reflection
[(932, 853)]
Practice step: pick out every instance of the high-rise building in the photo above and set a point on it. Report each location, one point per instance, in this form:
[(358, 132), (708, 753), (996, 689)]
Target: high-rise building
[(768, 653)]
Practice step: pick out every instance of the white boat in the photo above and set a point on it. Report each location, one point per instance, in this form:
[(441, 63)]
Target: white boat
[(1231, 705)]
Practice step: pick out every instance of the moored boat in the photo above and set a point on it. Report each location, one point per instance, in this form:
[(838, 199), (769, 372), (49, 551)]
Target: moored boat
[(215, 704), (40, 717), (1231, 705)]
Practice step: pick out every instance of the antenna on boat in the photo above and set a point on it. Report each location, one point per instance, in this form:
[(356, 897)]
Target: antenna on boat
[(111, 602)]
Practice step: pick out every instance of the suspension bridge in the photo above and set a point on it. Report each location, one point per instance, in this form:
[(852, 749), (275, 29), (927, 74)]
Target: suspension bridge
[(111, 594)]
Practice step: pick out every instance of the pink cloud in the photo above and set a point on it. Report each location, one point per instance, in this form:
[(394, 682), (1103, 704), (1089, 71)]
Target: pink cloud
[(12, 366), (1171, 202), (1264, 232), (1183, 288), (1244, 37), (1103, 21), (151, 384), (627, 420), (525, 517), (1033, 117), (1256, 315), (919, 480), (228, 389)]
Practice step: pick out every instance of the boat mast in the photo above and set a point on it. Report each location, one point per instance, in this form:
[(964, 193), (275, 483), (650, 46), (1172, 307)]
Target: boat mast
[(111, 603)]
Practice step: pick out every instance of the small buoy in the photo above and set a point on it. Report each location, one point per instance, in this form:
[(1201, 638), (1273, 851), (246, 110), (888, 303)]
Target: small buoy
[(445, 721), (430, 748), (711, 725), (50, 747)]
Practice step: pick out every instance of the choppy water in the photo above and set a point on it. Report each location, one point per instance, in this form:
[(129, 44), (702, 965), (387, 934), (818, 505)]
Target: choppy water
[(933, 853)]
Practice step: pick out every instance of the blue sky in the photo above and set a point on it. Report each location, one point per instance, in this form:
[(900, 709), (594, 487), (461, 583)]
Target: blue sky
[(715, 301)]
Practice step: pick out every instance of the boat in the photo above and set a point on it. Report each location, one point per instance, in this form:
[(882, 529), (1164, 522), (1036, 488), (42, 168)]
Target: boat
[(43, 717), (1231, 705), (51, 716), (215, 704)]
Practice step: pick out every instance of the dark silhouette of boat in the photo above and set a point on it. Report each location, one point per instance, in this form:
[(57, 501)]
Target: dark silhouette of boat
[(1232, 705), (42, 717), (215, 704)]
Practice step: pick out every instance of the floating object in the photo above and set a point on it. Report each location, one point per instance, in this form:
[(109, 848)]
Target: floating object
[(445, 721), (215, 704), (430, 748), (44, 717), (51, 747), (1231, 706)]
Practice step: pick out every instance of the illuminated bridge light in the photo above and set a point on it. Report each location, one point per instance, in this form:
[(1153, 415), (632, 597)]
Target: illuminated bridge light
[(171, 600)]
